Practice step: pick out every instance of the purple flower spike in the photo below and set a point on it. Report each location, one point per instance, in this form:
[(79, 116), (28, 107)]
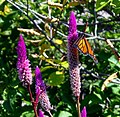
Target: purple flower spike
[(40, 86), (23, 64), (41, 114), (72, 25), (41, 93), (21, 50), (73, 57), (84, 112)]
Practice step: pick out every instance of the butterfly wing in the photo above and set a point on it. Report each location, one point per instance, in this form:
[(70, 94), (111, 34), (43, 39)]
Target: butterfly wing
[(84, 46)]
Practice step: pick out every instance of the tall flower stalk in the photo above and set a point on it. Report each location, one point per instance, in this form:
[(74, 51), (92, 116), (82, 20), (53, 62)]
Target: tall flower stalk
[(73, 60), (23, 64), (41, 94), (24, 69)]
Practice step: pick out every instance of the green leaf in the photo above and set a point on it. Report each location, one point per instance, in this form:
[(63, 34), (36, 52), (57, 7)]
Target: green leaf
[(44, 47), (46, 68), (64, 2), (98, 95), (65, 64), (1, 21), (117, 6), (116, 90), (58, 41), (27, 114), (56, 78), (6, 33), (1, 1), (100, 4), (113, 60), (65, 114)]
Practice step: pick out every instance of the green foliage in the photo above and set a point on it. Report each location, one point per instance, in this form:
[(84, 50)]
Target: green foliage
[(56, 78), (115, 4), (14, 98)]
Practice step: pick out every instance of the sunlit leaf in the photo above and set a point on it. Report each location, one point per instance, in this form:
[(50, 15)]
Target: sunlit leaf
[(25, 102), (29, 31), (57, 5), (58, 41), (1, 13), (64, 114), (64, 64), (56, 78), (6, 33), (108, 80), (101, 3), (44, 47), (50, 61), (116, 90), (98, 95), (1, 1), (1, 22), (6, 9)]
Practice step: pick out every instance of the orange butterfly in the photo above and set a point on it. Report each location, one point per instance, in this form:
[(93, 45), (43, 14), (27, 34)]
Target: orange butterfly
[(84, 46)]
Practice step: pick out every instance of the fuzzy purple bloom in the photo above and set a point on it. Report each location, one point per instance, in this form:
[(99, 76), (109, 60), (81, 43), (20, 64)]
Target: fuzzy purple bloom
[(21, 50), (40, 86), (41, 114), (84, 112), (23, 64), (41, 94), (72, 27), (73, 58)]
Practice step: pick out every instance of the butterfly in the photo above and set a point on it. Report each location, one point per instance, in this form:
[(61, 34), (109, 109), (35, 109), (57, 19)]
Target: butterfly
[(84, 46)]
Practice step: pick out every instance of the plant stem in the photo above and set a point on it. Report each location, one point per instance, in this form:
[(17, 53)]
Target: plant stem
[(78, 106), (50, 114), (32, 100)]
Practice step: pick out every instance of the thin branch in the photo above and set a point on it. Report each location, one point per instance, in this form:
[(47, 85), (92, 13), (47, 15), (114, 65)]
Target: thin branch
[(96, 76), (103, 22), (91, 36), (37, 26), (36, 13), (42, 18), (91, 73), (113, 49)]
